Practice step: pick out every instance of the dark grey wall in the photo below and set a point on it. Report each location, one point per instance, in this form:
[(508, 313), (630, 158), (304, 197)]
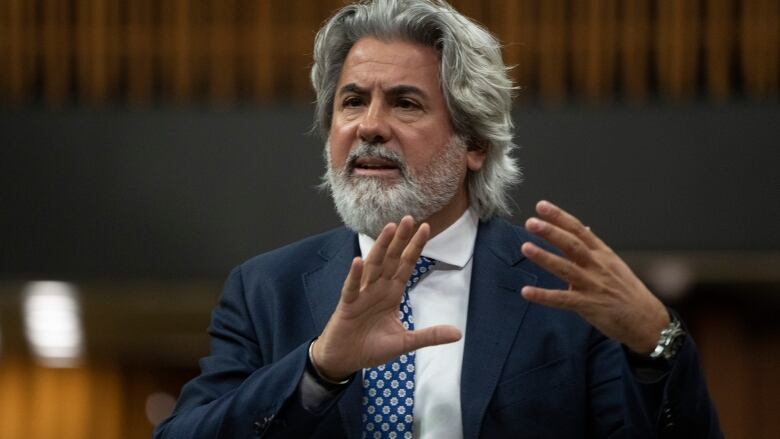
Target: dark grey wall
[(193, 192)]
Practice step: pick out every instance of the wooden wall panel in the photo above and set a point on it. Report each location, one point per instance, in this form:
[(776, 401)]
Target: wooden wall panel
[(94, 401), (139, 60), (594, 39), (57, 48), (222, 42), (18, 44), (760, 47), (677, 42), (719, 42), (553, 59), (232, 51), (260, 39), (634, 48)]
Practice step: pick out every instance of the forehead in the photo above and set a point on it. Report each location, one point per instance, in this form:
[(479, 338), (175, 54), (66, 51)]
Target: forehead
[(371, 60)]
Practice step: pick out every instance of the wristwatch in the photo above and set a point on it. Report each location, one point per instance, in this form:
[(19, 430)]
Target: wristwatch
[(670, 340)]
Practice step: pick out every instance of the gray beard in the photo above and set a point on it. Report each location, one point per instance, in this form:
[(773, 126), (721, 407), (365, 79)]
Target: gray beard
[(367, 204)]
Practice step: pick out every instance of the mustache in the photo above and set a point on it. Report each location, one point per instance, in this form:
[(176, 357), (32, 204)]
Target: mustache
[(373, 150)]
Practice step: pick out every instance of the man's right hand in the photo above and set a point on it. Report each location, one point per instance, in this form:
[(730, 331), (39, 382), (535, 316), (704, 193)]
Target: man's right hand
[(365, 330)]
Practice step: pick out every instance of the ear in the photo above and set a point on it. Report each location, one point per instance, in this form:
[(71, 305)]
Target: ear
[(475, 155)]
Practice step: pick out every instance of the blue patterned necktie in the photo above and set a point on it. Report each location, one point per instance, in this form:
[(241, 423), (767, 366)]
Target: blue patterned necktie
[(388, 389)]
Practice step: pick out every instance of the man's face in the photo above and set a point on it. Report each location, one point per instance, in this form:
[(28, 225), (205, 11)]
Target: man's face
[(392, 150)]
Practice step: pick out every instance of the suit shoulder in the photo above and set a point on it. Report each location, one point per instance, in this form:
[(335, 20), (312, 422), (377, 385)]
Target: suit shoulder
[(301, 254), (521, 234), (505, 239)]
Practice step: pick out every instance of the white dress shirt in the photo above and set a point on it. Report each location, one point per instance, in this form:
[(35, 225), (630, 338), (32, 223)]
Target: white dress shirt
[(441, 298)]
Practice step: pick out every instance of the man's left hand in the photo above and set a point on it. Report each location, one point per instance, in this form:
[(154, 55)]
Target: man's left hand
[(602, 288)]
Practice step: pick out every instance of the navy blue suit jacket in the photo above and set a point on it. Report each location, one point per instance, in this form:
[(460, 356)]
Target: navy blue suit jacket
[(528, 371)]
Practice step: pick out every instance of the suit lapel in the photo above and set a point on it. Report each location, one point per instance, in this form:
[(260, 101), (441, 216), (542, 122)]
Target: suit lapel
[(323, 289), (495, 314)]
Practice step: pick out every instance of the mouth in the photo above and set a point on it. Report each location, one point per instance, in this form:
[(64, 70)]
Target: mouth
[(375, 167)]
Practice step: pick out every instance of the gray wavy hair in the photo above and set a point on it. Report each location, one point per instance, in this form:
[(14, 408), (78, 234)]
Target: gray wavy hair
[(474, 79)]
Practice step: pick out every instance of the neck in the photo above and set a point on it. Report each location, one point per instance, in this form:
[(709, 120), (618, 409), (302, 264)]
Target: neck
[(450, 213)]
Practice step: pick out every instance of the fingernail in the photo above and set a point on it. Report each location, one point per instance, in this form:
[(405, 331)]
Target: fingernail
[(544, 206), (534, 225), (528, 249)]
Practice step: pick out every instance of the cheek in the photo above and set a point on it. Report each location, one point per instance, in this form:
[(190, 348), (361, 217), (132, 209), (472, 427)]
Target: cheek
[(338, 150), (341, 138)]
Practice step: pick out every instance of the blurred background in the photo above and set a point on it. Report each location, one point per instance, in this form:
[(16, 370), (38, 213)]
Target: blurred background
[(148, 146)]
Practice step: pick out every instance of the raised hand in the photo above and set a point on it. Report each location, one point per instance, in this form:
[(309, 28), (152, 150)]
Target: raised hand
[(365, 329), (602, 288)]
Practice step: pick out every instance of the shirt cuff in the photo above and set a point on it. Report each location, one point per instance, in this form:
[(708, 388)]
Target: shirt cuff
[(318, 395)]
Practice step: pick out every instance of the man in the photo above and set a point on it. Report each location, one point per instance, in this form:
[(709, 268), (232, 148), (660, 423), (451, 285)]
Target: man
[(427, 316)]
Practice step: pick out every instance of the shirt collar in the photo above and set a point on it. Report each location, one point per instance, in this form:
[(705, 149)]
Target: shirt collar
[(453, 246)]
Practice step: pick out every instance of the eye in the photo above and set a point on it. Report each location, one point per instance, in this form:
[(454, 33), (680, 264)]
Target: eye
[(407, 104), (352, 101)]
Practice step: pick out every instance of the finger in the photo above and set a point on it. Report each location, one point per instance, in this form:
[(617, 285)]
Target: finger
[(431, 336), (351, 289), (571, 245), (568, 300), (373, 263), (555, 215), (412, 253), (561, 267), (403, 234)]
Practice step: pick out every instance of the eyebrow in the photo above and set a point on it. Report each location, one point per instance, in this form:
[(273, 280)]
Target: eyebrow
[(392, 91)]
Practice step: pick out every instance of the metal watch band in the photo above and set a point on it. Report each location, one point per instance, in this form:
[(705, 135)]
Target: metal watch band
[(670, 340)]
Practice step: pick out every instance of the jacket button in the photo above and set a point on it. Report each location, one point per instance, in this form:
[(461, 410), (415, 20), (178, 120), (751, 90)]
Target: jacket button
[(260, 426)]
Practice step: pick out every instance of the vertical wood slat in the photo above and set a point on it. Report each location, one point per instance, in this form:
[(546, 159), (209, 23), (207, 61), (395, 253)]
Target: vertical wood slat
[(304, 23), (106, 420), (514, 24), (83, 48), (552, 51), (6, 31), (17, 48), (473, 9), (139, 56), (73, 411), (760, 47), (95, 50), (259, 56), (727, 375), (56, 47), (528, 53), (593, 47), (282, 55), (174, 52), (634, 48), (14, 398), (766, 360), (222, 66), (678, 44), (718, 48)]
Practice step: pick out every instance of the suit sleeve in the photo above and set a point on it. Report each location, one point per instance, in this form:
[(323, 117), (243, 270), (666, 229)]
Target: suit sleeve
[(239, 393), (675, 404), (678, 404)]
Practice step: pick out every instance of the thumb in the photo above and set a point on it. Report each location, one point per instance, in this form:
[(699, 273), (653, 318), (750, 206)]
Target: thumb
[(435, 335)]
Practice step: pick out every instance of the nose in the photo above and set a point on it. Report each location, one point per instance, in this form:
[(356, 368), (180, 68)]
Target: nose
[(374, 127)]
